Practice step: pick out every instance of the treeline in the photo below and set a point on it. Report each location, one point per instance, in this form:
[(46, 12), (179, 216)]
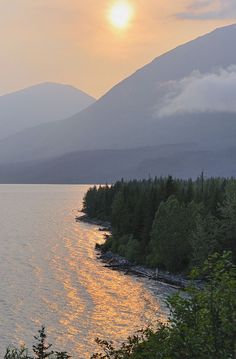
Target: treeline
[(167, 223)]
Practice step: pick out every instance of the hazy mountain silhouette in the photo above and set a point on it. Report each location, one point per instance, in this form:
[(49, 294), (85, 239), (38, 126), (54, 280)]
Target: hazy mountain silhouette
[(149, 109), (107, 166), (43, 103)]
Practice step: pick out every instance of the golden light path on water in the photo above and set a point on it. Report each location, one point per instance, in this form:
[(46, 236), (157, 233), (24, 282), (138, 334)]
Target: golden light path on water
[(50, 275)]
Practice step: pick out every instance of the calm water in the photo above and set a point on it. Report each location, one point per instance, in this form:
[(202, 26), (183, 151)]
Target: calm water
[(50, 275)]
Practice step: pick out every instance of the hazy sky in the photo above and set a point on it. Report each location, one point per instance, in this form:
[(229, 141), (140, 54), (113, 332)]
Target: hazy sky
[(72, 41)]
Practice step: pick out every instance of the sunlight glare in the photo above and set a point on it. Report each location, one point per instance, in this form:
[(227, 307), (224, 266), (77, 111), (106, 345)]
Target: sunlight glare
[(120, 14)]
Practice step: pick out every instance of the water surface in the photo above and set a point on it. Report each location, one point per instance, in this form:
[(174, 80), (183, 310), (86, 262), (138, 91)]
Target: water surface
[(50, 275)]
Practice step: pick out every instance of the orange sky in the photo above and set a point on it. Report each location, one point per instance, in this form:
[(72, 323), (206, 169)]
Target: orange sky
[(72, 41)]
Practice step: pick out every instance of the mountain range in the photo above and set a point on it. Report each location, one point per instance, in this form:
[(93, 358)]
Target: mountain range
[(39, 104), (176, 115)]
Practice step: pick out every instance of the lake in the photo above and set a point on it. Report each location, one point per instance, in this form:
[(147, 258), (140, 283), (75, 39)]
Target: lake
[(50, 275)]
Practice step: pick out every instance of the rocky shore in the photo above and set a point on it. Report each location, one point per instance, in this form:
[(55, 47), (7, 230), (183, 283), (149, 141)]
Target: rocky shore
[(104, 226), (116, 262)]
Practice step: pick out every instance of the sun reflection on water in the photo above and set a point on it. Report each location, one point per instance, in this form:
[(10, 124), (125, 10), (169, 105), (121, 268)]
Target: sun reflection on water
[(107, 304), (59, 282)]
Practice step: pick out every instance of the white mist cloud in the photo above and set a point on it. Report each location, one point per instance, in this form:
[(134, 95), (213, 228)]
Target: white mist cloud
[(212, 92), (210, 9)]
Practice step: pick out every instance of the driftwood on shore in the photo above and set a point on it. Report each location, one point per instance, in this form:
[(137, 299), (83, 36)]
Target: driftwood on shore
[(116, 262)]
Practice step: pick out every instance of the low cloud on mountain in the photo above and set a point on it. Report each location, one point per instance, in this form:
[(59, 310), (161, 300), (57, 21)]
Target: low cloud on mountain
[(210, 9), (212, 92)]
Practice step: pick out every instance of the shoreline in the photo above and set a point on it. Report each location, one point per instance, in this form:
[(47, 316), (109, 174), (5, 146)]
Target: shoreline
[(118, 263), (105, 226)]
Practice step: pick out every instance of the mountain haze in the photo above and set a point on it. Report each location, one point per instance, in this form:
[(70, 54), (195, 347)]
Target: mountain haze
[(43, 103), (108, 166), (184, 96)]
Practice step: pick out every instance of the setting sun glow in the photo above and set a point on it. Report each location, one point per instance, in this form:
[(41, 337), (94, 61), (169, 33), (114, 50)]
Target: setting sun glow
[(120, 14)]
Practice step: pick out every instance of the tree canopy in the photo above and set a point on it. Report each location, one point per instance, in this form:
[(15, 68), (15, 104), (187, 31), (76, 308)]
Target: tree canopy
[(167, 223)]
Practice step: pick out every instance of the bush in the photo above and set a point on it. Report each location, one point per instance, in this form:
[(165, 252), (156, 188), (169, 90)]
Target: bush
[(40, 350)]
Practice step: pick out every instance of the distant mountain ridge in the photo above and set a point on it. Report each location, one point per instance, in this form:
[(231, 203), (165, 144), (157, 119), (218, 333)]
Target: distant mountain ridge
[(108, 166), (134, 115), (39, 104)]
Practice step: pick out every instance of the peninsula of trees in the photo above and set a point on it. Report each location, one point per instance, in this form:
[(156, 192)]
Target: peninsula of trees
[(167, 223)]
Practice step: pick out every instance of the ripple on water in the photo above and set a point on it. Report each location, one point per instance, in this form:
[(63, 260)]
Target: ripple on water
[(50, 275)]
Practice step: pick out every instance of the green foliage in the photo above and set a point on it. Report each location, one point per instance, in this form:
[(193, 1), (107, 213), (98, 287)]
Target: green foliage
[(169, 223), (173, 224), (201, 325), (98, 201), (126, 350), (205, 239), (228, 216), (40, 350), (14, 353), (133, 250), (62, 355)]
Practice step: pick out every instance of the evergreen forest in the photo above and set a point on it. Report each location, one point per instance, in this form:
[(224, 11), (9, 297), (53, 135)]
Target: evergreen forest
[(166, 223)]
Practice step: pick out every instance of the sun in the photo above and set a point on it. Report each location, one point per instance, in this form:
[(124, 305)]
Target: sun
[(121, 14)]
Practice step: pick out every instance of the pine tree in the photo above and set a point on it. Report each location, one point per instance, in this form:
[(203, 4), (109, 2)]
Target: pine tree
[(41, 347), (170, 244), (228, 213), (205, 238)]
